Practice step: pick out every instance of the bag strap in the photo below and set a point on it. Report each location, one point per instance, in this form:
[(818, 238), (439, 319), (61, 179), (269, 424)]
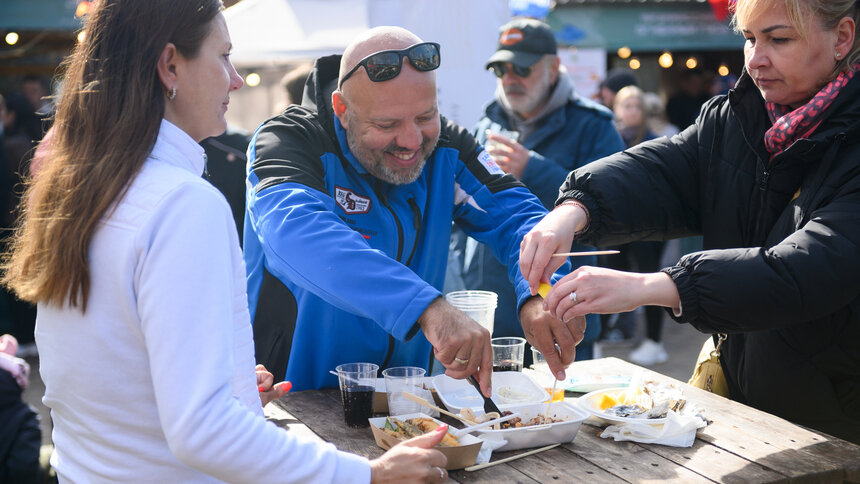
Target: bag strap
[(720, 338)]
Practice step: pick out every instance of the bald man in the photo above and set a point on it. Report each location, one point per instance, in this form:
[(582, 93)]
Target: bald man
[(351, 197)]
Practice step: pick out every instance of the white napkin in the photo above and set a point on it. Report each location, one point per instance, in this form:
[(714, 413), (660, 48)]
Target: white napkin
[(679, 430), (487, 449)]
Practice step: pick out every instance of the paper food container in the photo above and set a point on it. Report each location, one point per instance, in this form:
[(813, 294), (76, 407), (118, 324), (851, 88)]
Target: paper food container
[(509, 388), (380, 396), (459, 457), (536, 436)]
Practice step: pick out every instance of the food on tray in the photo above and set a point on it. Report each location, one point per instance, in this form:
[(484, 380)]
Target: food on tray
[(468, 414), (650, 400), (413, 427), (518, 422)]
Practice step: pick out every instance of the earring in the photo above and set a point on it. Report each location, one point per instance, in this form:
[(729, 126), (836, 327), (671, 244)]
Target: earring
[(838, 55), (172, 93)]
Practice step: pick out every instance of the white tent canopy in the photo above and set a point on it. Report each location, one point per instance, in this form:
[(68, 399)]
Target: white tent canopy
[(272, 34), (275, 32)]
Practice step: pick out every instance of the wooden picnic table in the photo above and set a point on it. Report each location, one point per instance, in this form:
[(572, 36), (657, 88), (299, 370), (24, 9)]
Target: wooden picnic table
[(741, 445)]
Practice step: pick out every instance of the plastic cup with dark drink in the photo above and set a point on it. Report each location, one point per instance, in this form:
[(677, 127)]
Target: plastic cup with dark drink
[(357, 384), (508, 353)]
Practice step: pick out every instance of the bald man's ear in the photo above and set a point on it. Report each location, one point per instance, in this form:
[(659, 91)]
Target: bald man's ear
[(338, 105)]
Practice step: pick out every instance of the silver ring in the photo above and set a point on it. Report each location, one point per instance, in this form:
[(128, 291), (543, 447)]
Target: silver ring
[(441, 473), (461, 360), (573, 298)]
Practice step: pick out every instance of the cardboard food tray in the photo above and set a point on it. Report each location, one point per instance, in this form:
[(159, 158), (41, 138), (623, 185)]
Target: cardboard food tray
[(380, 397), (458, 457), (539, 435)]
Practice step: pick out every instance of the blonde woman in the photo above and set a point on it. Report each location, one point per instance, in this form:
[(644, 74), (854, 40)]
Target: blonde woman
[(769, 175)]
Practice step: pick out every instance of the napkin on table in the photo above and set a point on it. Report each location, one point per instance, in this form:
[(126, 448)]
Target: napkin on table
[(679, 430)]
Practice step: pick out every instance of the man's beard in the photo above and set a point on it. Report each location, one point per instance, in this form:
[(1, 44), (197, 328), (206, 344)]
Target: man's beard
[(373, 160)]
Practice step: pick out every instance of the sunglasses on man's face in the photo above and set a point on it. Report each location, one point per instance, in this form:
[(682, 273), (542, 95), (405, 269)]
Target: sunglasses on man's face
[(386, 64), (501, 68)]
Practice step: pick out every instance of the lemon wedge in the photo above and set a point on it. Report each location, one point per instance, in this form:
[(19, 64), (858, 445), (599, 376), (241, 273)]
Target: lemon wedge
[(543, 289), (607, 401)]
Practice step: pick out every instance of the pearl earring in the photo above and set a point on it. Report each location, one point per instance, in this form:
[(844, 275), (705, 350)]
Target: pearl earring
[(172, 93), (838, 55)]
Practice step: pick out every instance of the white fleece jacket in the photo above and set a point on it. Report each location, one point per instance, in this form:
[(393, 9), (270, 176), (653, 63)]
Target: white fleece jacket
[(155, 382)]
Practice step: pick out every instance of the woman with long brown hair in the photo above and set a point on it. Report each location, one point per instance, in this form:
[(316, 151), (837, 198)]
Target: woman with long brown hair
[(769, 175), (143, 328)]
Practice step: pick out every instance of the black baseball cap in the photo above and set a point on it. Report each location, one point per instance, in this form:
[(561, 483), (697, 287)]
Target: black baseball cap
[(523, 42)]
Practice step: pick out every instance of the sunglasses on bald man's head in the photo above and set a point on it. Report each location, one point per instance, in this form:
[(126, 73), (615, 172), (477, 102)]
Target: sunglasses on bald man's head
[(384, 65), (501, 68)]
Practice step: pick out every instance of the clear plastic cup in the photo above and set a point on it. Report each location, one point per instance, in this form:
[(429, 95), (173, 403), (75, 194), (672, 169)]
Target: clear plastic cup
[(401, 379), (357, 383), (478, 305), (508, 353), (507, 133), (545, 376)]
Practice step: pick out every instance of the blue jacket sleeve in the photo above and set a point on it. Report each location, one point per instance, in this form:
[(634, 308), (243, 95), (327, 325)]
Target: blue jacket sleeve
[(498, 211)]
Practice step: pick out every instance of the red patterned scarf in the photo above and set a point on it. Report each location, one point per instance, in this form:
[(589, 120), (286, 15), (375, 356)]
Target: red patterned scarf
[(789, 126)]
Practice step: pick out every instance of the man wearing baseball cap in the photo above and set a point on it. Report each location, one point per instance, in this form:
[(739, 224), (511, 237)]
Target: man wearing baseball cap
[(558, 132)]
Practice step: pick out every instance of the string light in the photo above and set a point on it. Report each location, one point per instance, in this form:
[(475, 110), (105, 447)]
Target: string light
[(82, 8), (692, 63), (12, 38), (635, 64), (624, 52), (665, 60), (252, 79), (723, 70)]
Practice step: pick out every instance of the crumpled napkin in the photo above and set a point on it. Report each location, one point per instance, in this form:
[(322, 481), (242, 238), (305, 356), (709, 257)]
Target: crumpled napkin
[(679, 430), (487, 449)]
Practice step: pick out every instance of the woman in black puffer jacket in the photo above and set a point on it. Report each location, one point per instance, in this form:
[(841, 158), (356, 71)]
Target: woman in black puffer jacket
[(770, 177)]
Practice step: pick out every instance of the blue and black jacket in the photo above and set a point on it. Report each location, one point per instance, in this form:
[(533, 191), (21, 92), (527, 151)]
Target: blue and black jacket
[(341, 264)]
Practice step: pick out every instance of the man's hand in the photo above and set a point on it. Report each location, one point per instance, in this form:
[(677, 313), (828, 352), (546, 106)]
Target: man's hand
[(511, 156), (544, 331), (460, 343)]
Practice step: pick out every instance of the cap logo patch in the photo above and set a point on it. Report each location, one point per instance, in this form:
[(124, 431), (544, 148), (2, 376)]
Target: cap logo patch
[(511, 36), (350, 202)]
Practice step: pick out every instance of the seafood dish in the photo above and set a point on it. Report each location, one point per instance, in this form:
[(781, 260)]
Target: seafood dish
[(518, 422), (647, 402), (651, 400), (534, 430), (413, 427)]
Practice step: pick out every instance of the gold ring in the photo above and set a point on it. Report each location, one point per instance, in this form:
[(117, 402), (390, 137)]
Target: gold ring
[(462, 360)]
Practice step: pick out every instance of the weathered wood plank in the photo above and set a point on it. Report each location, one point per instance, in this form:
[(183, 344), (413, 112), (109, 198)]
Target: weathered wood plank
[(717, 464), (322, 411), (561, 466), (756, 436), (276, 414), (628, 460), (742, 445), (499, 474)]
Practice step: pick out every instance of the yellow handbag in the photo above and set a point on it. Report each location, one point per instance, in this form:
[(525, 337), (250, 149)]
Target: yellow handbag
[(708, 373)]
